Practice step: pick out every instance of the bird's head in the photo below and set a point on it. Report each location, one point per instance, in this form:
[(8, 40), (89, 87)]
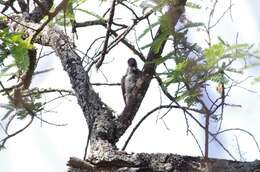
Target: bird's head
[(132, 63)]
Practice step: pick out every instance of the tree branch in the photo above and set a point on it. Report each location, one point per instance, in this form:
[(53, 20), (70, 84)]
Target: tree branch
[(142, 120), (109, 24), (163, 162)]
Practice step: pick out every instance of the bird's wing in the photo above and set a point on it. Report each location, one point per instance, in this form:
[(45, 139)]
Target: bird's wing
[(123, 87)]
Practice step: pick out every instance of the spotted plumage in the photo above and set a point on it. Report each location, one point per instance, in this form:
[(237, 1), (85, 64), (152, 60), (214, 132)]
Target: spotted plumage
[(129, 79)]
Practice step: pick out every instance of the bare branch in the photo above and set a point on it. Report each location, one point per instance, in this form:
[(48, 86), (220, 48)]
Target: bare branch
[(223, 14), (242, 130), (197, 142), (124, 40), (142, 120), (106, 84), (109, 24), (37, 13), (3, 141), (170, 97)]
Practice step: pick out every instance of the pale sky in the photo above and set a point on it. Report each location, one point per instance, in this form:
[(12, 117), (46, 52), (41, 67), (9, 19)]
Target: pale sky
[(45, 148)]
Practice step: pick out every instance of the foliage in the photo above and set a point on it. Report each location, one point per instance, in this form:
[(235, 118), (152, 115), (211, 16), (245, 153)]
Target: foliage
[(17, 47), (31, 101), (213, 65), (213, 54)]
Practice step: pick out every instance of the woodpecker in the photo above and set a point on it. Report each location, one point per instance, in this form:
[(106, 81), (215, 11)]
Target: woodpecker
[(128, 81)]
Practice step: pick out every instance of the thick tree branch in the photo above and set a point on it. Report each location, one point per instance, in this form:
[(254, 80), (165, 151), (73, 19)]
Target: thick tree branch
[(163, 163), (23, 6), (39, 12)]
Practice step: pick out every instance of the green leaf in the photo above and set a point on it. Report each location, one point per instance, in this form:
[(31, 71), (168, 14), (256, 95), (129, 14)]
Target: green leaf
[(193, 24), (219, 78), (16, 37), (3, 55), (27, 43), (17, 47), (189, 97), (221, 40), (2, 17), (174, 77), (190, 100), (182, 95), (91, 13), (70, 15), (170, 80), (3, 33), (193, 5), (148, 30), (77, 2), (162, 59), (21, 114), (37, 106), (214, 53), (156, 44), (238, 46), (181, 66), (166, 24), (60, 20), (179, 59), (256, 80), (20, 55)]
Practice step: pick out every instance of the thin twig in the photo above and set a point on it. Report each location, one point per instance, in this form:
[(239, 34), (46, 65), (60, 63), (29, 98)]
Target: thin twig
[(196, 140), (239, 150), (124, 41), (170, 97), (106, 84), (50, 90), (109, 24), (242, 130), (142, 120), (223, 14), (18, 22), (50, 123), (87, 144), (3, 141), (129, 8), (43, 71)]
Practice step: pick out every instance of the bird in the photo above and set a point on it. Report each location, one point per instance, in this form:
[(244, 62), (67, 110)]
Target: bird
[(128, 81)]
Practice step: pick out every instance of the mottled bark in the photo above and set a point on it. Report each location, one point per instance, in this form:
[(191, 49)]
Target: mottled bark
[(143, 162), (39, 11)]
